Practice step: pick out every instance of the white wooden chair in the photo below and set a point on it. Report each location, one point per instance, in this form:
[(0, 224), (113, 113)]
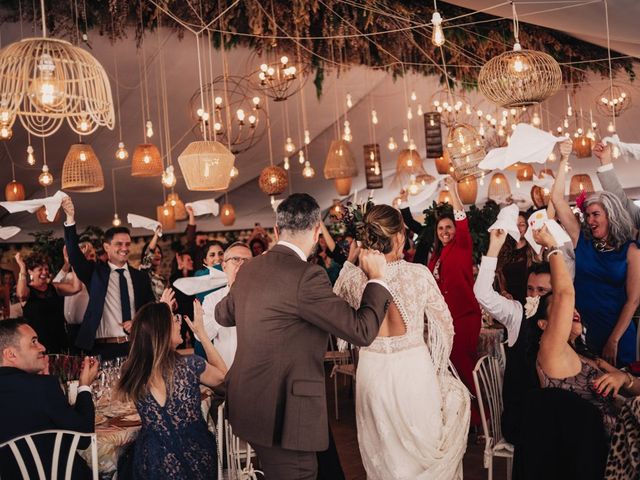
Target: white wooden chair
[(487, 377), (240, 455), (51, 472)]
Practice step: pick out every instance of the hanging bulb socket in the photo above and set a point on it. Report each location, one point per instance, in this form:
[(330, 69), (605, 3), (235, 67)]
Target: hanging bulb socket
[(437, 36), (116, 222), (121, 152), (31, 159), (45, 179)]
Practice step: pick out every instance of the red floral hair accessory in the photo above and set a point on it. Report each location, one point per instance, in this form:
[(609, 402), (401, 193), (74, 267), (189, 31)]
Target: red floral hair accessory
[(580, 200)]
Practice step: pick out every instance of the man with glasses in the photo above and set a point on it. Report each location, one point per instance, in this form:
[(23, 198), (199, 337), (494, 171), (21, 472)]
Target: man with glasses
[(224, 338)]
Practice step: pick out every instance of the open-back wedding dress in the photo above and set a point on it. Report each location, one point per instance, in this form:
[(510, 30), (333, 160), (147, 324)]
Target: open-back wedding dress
[(412, 413)]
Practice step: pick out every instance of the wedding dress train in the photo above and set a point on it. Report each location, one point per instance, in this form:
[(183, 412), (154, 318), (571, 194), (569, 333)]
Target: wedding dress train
[(412, 414)]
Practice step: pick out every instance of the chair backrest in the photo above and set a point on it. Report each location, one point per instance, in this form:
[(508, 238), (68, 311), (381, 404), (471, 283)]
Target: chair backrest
[(487, 377), (44, 472)]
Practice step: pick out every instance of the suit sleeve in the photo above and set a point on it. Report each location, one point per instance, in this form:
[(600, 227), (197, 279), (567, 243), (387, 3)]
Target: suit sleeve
[(82, 267), (611, 183), (225, 311), (410, 222), (320, 306), (80, 418)]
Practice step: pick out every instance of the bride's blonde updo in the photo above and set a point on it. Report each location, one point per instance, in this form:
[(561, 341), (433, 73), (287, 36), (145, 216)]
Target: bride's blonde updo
[(380, 224)]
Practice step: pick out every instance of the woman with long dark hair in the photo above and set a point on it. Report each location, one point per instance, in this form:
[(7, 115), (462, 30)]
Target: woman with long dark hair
[(174, 441)]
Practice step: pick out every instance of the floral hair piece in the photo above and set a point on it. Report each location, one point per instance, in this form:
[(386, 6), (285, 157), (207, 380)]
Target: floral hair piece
[(580, 200)]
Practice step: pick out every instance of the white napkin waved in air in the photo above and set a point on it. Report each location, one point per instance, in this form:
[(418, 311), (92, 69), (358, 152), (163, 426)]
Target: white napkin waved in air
[(508, 221), (195, 285), (7, 232), (138, 221), (626, 149), (528, 144), (52, 204), (204, 207), (536, 221)]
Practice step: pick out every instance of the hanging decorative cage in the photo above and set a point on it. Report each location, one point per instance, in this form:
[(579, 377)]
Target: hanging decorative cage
[(273, 180), (45, 81), (613, 101), (206, 166), (166, 216), (468, 190), (465, 150), (433, 134), (372, 166), (453, 107), (582, 146), (178, 206), (444, 196), (227, 215), (146, 161), (343, 185), (519, 78), (580, 182), (14, 191), (41, 215), (279, 79), (525, 172), (81, 170), (409, 162), (443, 164), (540, 196), (499, 188), (340, 162)]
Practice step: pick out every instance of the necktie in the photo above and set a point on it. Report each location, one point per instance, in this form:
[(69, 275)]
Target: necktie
[(125, 302)]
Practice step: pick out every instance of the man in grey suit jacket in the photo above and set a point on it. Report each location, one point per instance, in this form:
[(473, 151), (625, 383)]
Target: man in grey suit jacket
[(610, 183), (284, 310)]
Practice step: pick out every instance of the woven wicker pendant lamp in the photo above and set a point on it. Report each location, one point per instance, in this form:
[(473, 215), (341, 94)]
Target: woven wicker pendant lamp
[(174, 200), (525, 172), (146, 161), (14, 191), (81, 171), (340, 165), (372, 167), (582, 146), (227, 215), (206, 166), (468, 190), (444, 197), (499, 187), (166, 216), (273, 180), (409, 162), (580, 182), (466, 150)]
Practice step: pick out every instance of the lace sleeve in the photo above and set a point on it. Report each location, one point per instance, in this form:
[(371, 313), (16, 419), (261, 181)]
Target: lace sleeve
[(439, 323), (349, 286)]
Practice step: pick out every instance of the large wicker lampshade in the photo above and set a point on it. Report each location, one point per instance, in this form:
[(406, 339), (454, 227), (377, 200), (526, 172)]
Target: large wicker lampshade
[(443, 164), (343, 185), (499, 187), (273, 180), (81, 171), (227, 215), (525, 172), (372, 166), (468, 190), (340, 162), (178, 206), (146, 161), (409, 162), (444, 197), (466, 150), (519, 78), (166, 216), (582, 146), (41, 215), (206, 166), (580, 182), (14, 191), (433, 134)]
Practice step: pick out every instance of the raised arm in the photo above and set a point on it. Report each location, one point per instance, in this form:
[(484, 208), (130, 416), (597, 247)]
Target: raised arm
[(331, 244), (215, 369), (453, 193), (22, 287), (81, 266), (147, 260), (191, 228), (563, 210), (62, 286), (413, 225)]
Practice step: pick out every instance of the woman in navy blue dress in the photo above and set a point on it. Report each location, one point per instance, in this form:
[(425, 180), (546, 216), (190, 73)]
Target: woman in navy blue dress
[(174, 442)]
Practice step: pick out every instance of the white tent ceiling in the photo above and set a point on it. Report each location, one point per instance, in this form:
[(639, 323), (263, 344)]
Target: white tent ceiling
[(367, 88)]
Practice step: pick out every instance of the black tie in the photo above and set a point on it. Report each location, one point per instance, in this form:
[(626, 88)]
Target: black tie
[(125, 302)]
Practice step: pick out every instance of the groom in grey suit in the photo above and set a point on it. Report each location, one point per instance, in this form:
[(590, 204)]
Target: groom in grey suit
[(284, 309)]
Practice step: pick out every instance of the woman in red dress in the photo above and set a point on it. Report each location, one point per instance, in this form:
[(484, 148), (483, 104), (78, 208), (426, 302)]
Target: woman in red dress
[(452, 266)]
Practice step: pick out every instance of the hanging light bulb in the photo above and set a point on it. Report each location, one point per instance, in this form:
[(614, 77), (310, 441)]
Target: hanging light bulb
[(289, 146), (308, 171), (437, 37), (481, 130), (31, 159), (234, 172), (611, 128), (346, 136), (286, 165), (45, 179), (392, 145), (169, 177), (414, 97), (301, 158), (518, 65), (349, 101), (405, 135), (6, 132), (149, 129), (412, 145), (414, 188), (409, 113), (218, 102), (307, 137), (240, 115), (116, 222), (256, 102), (420, 111), (536, 120), (374, 117), (121, 153), (46, 89)]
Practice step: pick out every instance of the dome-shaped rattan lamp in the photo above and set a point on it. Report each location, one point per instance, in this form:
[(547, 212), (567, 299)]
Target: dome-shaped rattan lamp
[(14, 191), (580, 182), (81, 171), (444, 196), (166, 216), (443, 164), (206, 166), (174, 200), (499, 188), (273, 180), (465, 150), (525, 172), (409, 162), (582, 146), (468, 190), (227, 215), (340, 165), (146, 161)]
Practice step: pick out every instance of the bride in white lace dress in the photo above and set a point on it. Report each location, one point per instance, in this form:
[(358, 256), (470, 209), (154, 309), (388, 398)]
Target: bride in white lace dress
[(412, 413)]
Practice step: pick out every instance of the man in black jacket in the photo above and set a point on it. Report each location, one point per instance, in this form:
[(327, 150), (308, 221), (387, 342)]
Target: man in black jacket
[(32, 402)]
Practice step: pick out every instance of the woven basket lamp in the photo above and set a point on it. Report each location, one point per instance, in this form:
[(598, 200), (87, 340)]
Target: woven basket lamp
[(525, 172), (14, 191), (372, 166), (580, 183), (81, 171), (499, 187), (444, 197), (206, 166), (466, 150), (409, 162), (433, 134), (227, 215), (540, 197), (340, 165), (41, 215), (519, 78), (178, 206), (443, 164), (166, 216), (468, 190), (273, 180), (546, 172), (582, 146), (146, 161)]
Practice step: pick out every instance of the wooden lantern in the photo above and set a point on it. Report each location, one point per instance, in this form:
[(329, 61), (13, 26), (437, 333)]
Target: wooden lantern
[(166, 216), (273, 180), (340, 162), (81, 171), (443, 164), (444, 197), (409, 162), (343, 185), (372, 166), (580, 183), (525, 173), (14, 191), (227, 215), (582, 146), (206, 166), (433, 134), (499, 188), (468, 190), (178, 206), (41, 215), (466, 151), (540, 197), (146, 161)]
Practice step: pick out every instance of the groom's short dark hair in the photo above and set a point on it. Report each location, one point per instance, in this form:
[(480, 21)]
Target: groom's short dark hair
[(297, 213)]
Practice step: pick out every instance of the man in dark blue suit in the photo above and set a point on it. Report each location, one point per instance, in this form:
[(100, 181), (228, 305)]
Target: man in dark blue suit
[(30, 402), (116, 290)]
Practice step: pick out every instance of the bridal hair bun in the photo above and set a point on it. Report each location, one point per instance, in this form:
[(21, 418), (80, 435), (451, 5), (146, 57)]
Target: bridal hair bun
[(380, 224)]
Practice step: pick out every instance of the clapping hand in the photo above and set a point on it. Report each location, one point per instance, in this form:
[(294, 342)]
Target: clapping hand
[(197, 325)]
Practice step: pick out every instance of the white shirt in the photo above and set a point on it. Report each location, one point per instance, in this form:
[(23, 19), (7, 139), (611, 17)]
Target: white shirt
[(111, 322), (508, 312), (225, 339), (74, 305)]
